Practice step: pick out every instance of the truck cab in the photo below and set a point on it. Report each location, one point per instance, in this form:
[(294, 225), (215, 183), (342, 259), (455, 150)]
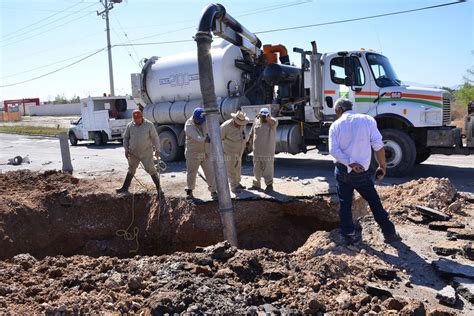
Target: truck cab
[(411, 119)]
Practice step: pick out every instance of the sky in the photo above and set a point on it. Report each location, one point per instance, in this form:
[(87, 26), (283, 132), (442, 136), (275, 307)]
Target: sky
[(430, 47)]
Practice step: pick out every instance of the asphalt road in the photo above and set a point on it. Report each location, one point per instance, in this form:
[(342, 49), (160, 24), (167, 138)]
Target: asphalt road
[(309, 173)]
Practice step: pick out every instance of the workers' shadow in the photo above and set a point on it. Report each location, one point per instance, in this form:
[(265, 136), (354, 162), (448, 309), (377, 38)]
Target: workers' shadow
[(421, 272)]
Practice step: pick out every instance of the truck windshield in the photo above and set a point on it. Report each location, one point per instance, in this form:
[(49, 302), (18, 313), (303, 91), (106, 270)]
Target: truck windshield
[(382, 70)]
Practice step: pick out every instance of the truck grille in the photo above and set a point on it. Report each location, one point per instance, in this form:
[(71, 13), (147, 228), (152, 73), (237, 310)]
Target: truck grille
[(446, 109)]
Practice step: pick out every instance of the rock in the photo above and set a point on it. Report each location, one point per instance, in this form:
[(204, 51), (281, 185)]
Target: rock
[(376, 290), (32, 291), (394, 304), (315, 305), (361, 299), (468, 250), (25, 260), (114, 281), (305, 182), (162, 302), (450, 268), (432, 213), (417, 219), (344, 300), (385, 274), (55, 273), (270, 309), (447, 248), (460, 233), (202, 270), (321, 179), (414, 308), (455, 206), (441, 312), (4, 290), (447, 296), (443, 226), (61, 308), (221, 251), (465, 288), (246, 266), (224, 273), (135, 306), (135, 283), (269, 295), (274, 274)]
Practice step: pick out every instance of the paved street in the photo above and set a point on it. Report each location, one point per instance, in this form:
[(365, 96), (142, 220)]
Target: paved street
[(311, 173)]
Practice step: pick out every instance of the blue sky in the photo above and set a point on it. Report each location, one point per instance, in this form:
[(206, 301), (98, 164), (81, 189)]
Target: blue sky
[(432, 47)]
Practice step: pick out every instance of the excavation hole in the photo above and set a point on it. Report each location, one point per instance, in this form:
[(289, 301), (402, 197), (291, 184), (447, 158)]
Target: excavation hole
[(90, 224)]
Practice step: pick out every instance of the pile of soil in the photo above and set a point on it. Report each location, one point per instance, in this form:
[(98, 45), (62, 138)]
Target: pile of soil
[(61, 253)]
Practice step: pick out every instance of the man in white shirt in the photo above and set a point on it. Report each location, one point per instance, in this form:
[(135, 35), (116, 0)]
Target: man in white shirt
[(351, 138)]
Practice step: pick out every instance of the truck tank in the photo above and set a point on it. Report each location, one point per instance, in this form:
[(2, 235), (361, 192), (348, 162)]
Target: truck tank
[(169, 86)]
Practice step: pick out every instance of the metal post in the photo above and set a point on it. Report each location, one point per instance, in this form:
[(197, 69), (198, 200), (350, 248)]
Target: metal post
[(206, 79), (105, 14), (65, 154)]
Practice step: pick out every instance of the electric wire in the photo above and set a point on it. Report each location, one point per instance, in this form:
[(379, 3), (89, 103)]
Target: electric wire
[(126, 35), (40, 21), (359, 19), (54, 71), (260, 32), (9, 37)]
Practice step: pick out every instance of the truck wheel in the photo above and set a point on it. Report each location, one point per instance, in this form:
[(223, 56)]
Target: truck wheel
[(105, 138), (169, 148), (400, 152), (422, 154), (98, 138), (72, 139)]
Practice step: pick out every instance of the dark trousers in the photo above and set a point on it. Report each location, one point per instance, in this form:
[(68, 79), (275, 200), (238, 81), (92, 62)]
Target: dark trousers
[(363, 183)]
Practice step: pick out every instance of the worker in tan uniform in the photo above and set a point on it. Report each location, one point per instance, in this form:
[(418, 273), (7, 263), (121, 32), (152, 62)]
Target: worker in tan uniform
[(140, 140), (197, 153), (262, 136), (234, 141)]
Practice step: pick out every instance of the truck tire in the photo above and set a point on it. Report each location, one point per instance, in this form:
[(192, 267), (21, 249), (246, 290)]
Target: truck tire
[(73, 139), (169, 148), (400, 152), (105, 138), (98, 138), (422, 154)]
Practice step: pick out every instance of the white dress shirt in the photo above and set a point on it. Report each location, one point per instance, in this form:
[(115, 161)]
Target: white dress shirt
[(350, 138)]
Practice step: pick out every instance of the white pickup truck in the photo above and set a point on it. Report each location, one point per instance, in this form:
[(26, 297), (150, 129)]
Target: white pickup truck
[(102, 119)]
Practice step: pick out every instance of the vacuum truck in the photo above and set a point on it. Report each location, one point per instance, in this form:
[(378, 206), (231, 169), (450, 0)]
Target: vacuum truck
[(414, 122)]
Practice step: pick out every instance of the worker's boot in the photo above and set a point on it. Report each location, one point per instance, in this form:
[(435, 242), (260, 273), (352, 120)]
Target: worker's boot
[(189, 194), (126, 184), (156, 181)]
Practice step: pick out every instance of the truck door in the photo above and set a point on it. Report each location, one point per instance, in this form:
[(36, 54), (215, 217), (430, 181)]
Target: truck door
[(334, 86)]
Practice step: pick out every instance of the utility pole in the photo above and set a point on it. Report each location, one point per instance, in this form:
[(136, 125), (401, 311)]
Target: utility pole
[(109, 5)]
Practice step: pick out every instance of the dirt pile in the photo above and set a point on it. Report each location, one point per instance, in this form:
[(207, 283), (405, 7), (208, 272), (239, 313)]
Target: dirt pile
[(216, 279)]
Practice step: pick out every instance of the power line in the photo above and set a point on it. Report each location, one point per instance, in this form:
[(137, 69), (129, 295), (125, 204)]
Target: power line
[(50, 29), (126, 36), (359, 19), (153, 43), (54, 71), (42, 20), (44, 66), (9, 37)]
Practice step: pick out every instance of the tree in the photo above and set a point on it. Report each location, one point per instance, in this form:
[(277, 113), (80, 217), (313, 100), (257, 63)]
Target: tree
[(75, 99), (60, 99)]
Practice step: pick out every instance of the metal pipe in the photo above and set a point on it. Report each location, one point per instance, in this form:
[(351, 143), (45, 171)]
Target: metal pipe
[(203, 39), (316, 87)]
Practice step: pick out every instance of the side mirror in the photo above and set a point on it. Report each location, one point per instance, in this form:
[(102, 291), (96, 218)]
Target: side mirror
[(73, 122), (348, 81)]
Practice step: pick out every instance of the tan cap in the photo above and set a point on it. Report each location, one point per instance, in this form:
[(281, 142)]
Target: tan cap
[(240, 118)]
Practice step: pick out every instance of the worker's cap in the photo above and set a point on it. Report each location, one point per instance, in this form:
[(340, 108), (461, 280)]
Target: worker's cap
[(137, 114), (264, 112), (198, 115), (240, 118)]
